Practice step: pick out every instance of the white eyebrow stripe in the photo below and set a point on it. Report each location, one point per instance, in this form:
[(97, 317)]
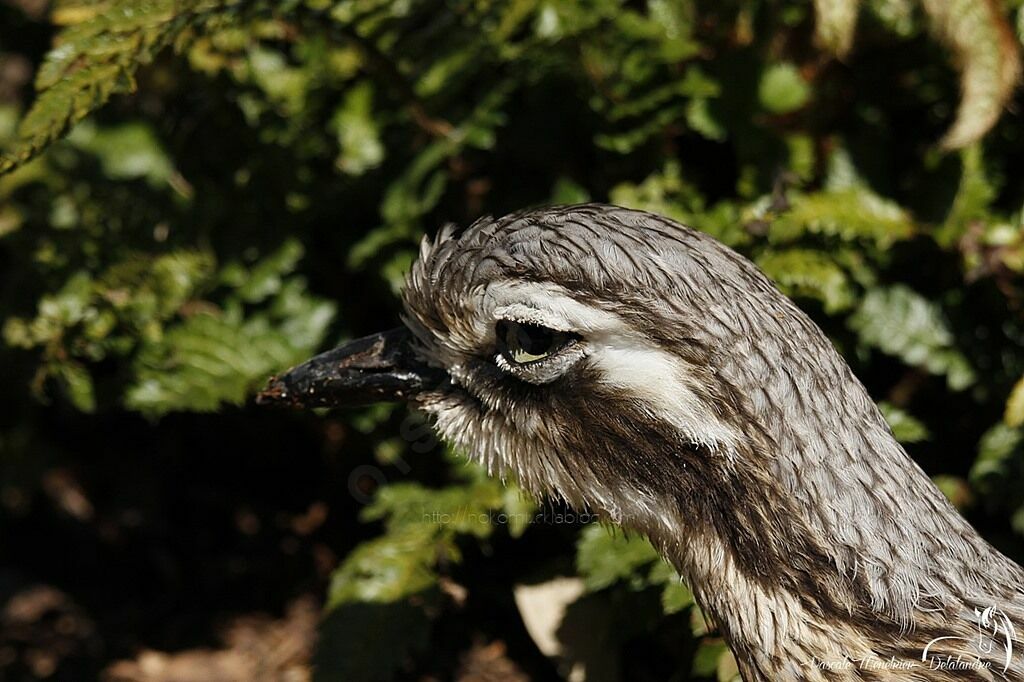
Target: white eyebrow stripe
[(624, 357), (517, 312), (550, 305)]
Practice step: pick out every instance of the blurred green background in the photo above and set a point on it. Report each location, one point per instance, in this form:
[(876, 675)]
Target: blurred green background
[(195, 194)]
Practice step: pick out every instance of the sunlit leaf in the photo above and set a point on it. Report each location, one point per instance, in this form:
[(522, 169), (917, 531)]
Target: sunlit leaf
[(1014, 414), (853, 214), (901, 322), (126, 152), (218, 356), (357, 132), (835, 21), (804, 272), (782, 89), (905, 427), (998, 448), (389, 568), (95, 57), (605, 556)]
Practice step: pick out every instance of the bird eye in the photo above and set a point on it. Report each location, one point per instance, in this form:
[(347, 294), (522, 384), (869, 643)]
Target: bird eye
[(522, 343)]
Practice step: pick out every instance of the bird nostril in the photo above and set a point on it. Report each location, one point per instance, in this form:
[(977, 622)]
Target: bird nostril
[(275, 393)]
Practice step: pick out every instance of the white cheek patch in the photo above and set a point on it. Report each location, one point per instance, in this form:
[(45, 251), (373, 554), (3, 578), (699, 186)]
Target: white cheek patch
[(659, 382)]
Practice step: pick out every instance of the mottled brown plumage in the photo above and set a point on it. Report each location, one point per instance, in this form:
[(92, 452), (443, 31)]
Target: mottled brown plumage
[(686, 398)]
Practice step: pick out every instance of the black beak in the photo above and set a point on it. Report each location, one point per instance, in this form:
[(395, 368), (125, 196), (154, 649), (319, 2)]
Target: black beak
[(376, 368)]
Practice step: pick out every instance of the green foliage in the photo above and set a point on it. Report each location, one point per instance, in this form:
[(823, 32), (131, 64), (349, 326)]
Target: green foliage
[(186, 353), (126, 152), (1014, 414), (782, 90), (604, 556), (358, 134), (905, 426), (219, 356), (815, 274), (901, 322), (256, 185), (995, 451), (423, 526), (853, 214), (399, 570), (97, 57)]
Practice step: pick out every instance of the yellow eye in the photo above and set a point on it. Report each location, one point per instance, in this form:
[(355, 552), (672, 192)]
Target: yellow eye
[(522, 343)]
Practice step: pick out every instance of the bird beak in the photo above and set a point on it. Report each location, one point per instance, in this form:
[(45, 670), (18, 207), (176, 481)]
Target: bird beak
[(377, 368)]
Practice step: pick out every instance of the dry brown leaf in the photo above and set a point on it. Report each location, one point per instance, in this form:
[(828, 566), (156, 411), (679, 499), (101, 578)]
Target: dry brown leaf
[(988, 59), (977, 31), (257, 649), (835, 23)]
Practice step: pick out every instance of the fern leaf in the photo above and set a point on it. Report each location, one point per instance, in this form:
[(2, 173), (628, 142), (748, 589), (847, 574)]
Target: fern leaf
[(422, 525), (211, 359), (389, 568), (851, 214), (905, 427), (605, 556), (998, 454), (94, 60), (900, 322), (811, 273)]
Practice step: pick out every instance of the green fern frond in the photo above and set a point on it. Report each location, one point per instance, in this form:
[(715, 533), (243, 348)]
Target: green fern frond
[(901, 322), (96, 57), (217, 357), (810, 273), (905, 427), (605, 556), (851, 214)]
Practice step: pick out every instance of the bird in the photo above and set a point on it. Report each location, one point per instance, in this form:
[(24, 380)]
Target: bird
[(637, 368)]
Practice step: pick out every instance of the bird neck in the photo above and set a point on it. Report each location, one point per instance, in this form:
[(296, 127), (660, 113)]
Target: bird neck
[(839, 554)]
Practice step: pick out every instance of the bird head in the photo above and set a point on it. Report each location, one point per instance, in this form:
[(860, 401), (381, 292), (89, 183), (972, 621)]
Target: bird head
[(606, 356)]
